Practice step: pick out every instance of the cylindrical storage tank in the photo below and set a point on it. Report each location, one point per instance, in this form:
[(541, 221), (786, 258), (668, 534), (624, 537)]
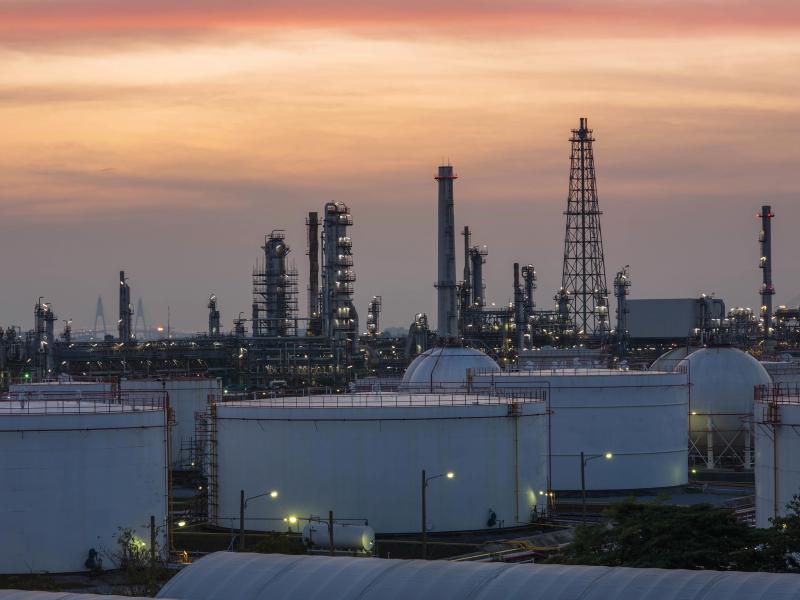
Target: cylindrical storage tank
[(355, 538), (188, 396), (776, 419), (784, 374), (637, 416), (66, 388), (362, 457), (73, 474), (721, 386)]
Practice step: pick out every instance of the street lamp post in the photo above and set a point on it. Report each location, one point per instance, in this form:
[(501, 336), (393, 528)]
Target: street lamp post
[(242, 505), (425, 481), (585, 458)]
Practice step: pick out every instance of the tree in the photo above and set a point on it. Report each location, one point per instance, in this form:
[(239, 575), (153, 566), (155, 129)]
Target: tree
[(668, 537)]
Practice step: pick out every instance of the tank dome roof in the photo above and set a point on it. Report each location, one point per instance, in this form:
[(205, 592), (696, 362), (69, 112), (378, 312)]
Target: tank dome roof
[(722, 380), (671, 358), (446, 367)]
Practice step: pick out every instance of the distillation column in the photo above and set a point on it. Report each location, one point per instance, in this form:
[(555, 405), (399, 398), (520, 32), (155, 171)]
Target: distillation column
[(314, 317), (519, 309), (447, 317), (125, 323), (622, 284), (339, 316), (213, 316)]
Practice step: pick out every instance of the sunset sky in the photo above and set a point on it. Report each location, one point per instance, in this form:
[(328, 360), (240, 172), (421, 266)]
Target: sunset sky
[(166, 138)]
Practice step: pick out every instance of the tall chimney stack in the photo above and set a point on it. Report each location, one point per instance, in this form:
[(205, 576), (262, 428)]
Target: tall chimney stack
[(765, 262), (447, 321)]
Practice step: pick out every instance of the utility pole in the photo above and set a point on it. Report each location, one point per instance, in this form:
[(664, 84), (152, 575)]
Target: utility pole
[(241, 521), (424, 518), (330, 530)]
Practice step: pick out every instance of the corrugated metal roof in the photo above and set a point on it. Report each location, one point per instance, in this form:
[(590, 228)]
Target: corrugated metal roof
[(22, 595), (280, 577)]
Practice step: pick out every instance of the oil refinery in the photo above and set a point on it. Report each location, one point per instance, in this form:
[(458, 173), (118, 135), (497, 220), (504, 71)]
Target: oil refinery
[(499, 419)]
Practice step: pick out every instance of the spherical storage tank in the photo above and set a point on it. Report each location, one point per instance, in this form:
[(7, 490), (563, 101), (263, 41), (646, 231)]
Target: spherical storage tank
[(639, 417), (362, 456), (776, 423), (722, 381), (73, 472), (446, 367)]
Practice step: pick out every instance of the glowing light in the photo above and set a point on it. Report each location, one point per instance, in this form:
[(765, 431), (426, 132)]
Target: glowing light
[(292, 520), (181, 523), (450, 474), (273, 494), (608, 456)]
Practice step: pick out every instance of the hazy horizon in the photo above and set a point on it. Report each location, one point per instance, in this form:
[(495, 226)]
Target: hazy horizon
[(166, 139)]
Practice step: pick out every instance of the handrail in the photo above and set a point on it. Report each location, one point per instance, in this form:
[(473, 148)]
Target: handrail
[(394, 400), (80, 402)]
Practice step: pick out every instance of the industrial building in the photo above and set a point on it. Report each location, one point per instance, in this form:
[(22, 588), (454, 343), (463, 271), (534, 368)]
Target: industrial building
[(79, 466), (362, 457)]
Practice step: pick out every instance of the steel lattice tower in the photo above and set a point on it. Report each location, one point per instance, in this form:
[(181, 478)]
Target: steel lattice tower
[(584, 272)]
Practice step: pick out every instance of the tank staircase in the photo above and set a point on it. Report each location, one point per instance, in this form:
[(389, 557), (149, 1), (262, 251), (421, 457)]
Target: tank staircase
[(205, 453)]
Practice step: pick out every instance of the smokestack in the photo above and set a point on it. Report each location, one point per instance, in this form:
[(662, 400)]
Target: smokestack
[(446, 283), (767, 289), (314, 317)]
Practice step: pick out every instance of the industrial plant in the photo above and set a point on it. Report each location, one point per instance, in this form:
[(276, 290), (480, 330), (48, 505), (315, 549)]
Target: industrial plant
[(317, 423)]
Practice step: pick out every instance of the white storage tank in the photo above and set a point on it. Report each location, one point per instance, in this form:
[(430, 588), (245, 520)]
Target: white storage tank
[(362, 457), (721, 387), (346, 537), (187, 396), (639, 417), (75, 471), (776, 419)]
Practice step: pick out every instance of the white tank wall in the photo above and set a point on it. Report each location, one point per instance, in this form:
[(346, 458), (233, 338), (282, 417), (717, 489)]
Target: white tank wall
[(68, 482), (640, 417), (187, 396), (366, 463), (775, 490)]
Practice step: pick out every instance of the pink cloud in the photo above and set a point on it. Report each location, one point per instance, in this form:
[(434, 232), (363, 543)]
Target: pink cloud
[(21, 19)]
